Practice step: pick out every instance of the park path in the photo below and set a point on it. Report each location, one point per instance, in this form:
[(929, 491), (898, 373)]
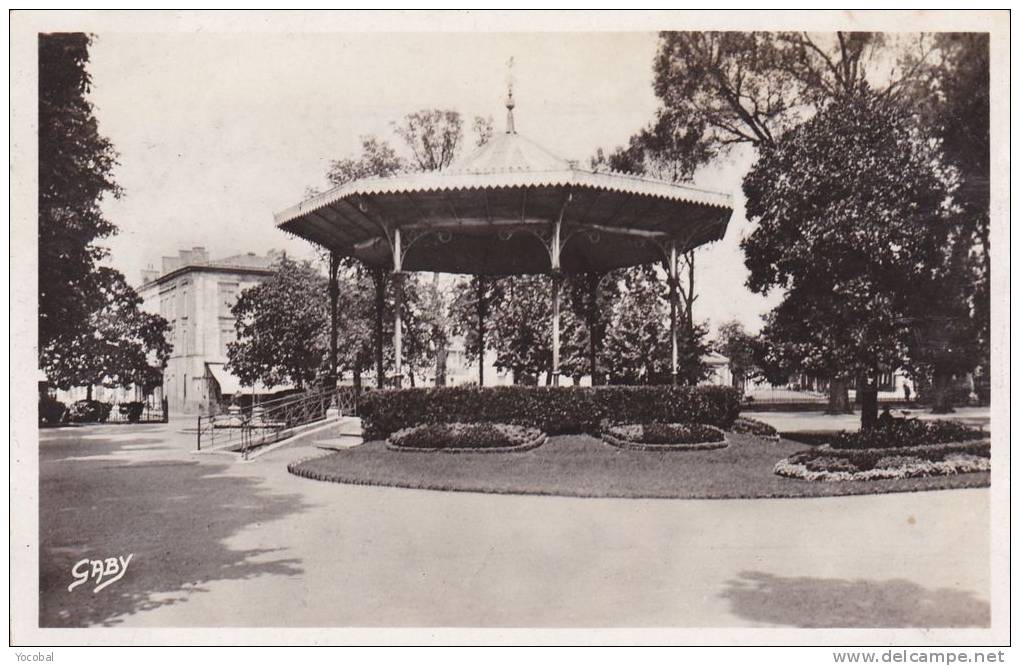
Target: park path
[(221, 543)]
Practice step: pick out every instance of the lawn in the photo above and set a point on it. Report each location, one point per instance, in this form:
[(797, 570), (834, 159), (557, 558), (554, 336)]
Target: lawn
[(584, 466)]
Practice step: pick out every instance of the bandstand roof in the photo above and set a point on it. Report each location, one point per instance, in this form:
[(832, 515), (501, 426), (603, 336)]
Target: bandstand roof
[(493, 212)]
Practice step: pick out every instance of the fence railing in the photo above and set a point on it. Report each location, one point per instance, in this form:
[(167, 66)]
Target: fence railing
[(244, 429), (151, 412)]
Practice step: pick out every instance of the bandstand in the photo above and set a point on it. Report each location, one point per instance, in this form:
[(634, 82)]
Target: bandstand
[(511, 207)]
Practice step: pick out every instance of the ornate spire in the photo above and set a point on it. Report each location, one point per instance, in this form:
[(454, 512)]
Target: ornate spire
[(510, 97)]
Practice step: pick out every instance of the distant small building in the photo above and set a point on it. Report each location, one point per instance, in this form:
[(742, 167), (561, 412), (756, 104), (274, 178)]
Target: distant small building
[(718, 368), (195, 294)]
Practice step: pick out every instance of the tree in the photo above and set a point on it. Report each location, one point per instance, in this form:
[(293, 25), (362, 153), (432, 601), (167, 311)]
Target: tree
[(483, 129), (850, 216), (521, 327), (120, 345), (433, 136), (743, 351), (719, 89), (954, 336), (638, 348), (75, 173), (281, 328), (589, 296), (377, 158), (472, 302)]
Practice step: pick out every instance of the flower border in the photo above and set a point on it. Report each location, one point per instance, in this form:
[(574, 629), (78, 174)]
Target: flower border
[(534, 439), (622, 443), (960, 463)]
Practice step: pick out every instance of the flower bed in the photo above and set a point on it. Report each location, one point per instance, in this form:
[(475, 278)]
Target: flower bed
[(464, 437), (906, 432), (831, 464), (665, 436), (756, 428), (553, 410)]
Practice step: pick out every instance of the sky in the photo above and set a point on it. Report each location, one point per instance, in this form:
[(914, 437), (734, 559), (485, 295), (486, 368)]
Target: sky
[(216, 132)]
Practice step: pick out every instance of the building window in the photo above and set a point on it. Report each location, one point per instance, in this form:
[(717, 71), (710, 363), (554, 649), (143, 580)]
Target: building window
[(227, 335), (228, 296)]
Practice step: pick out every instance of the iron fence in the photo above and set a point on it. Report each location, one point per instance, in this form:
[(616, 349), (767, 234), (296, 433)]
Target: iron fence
[(246, 428)]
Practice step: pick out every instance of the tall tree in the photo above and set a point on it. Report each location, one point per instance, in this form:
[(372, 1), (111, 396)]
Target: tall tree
[(953, 100), (850, 217), (75, 173)]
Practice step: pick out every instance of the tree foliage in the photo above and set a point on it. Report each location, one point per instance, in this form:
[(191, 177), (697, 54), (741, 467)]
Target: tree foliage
[(729, 88), (75, 172), (281, 328), (91, 327), (744, 351), (121, 345), (638, 348), (434, 137), (377, 159), (850, 223)]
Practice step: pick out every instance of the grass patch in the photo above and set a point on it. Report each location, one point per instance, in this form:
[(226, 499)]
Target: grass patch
[(583, 466)]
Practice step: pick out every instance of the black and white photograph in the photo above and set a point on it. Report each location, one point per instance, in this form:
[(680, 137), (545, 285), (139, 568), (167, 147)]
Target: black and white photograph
[(491, 327)]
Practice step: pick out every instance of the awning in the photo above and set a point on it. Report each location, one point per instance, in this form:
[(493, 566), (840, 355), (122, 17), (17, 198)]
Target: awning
[(230, 385)]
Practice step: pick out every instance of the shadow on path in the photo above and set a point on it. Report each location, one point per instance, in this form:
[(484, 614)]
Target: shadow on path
[(102, 496), (833, 602)]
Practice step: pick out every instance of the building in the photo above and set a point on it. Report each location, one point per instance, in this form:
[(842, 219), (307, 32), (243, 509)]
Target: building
[(195, 295)]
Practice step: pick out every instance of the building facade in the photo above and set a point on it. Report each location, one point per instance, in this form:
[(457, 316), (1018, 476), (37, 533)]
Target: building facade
[(195, 295)]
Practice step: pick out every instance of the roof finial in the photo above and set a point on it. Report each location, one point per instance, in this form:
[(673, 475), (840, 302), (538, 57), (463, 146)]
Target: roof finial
[(510, 97)]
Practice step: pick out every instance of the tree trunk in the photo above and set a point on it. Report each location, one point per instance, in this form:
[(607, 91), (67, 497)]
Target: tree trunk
[(357, 380), (379, 280), (480, 308), (88, 392), (868, 393), (334, 297), (839, 398), (941, 393), (593, 325), (441, 352)]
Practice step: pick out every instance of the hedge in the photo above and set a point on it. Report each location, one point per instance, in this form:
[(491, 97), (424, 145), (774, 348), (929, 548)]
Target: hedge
[(906, 432), (554, 410), (89, 411), (51, 410)]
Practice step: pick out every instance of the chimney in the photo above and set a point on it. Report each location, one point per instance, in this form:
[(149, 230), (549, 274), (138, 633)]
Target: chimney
[(199, 255)]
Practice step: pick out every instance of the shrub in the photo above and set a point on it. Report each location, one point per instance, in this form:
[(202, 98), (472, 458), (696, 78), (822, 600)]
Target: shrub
[(905, 432), (746, 426), (554, 410), (132, 410), (89, 411), (51, 411), (466, 436)]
